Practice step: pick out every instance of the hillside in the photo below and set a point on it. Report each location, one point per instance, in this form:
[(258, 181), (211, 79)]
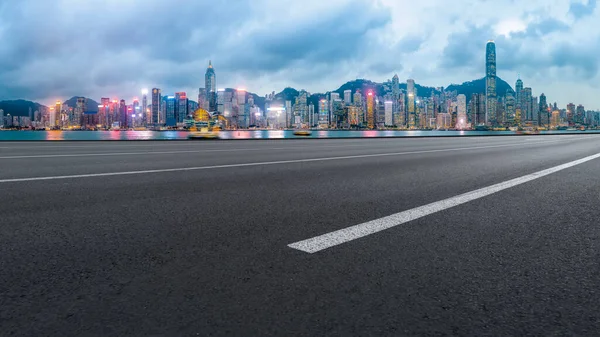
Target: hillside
[(19, 107), (478, 87)]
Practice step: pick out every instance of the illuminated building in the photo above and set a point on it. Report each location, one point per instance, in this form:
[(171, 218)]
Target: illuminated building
[(80, 108), (202, 99), (301, 115), (170, 119), (181, 107), (353, 116), (555, 119), (477, 109), (411, 97), (347, 97), (56, 119), (136, 113), (388, 113), (144, 109), (323, 113), (289, 114), (526, 104), (518, 93), (571, 114), (370, 110), (156, 106), (210, 85), (461, 112), (490, 83), (104, 113), (243, 118), (509, 107), (444, 121), (122, 114)]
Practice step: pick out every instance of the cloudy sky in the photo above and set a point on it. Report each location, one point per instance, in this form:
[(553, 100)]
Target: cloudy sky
[(114, 48)]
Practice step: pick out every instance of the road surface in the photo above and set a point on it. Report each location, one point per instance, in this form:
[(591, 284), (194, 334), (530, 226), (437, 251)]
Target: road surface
[(430, 236)]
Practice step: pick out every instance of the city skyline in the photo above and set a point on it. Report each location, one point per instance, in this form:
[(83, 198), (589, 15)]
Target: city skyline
[(309, 52)]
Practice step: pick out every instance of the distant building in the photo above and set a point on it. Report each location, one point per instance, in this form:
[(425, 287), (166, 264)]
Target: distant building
[(170, 118), (156, 106), (323, 113), (461, 112), (389, 113), (370, 110), (347, 97), (210, 84), (571, 114), (490, 83), (411, 98)]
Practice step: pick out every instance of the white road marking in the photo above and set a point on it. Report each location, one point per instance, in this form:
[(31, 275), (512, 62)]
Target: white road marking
[(341, 236), (279, 162)]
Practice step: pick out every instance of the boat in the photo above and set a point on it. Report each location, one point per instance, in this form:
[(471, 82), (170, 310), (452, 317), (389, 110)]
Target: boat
[(204, 133), (302, 133)]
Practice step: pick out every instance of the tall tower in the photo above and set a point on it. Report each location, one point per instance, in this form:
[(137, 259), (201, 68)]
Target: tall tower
[(490, 83), (210, 85), (410, 102), (156, 105), (518, 93)]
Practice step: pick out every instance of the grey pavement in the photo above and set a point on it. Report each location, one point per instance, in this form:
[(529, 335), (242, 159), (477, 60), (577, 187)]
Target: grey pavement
[(205, 251)]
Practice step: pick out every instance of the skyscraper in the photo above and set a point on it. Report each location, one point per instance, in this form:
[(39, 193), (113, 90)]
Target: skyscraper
[(490, 83), (347, 97), (571, 114), (526, 107), (370, 110), (461, 111), (181, 108), (210, 85), (518, 93), (410, 104), (509, 107), (156, 106), (543, 111), (144, 107)]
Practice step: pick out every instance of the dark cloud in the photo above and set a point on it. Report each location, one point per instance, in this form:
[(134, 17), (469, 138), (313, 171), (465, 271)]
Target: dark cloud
[(579, 10)]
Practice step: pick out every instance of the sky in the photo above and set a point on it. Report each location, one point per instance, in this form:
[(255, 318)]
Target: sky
[(115, 48)]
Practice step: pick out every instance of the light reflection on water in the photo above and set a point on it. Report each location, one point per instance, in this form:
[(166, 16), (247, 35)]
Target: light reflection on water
[(244, 134)]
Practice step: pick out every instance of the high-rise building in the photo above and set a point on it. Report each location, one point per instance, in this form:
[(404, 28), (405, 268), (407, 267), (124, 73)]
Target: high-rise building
[(411, 98), (370, 110), (518, 93), (526, 104), (171, 106), (347, 97), (144, 109), (389, 113), (80, 109), (104, 112), (122, 114), (202, 99), (543, 111), (136, 113), (242, 111), (477, 109), (461, 112), (156, 106), (301, 115), (580, 115), (509, 107), (571, 114), (323, 113), (210, 85), (490, 83), (181, 108)]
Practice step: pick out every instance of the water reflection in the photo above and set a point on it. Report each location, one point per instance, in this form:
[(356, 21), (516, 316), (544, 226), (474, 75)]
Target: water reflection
[(52, 135), (245, 134)]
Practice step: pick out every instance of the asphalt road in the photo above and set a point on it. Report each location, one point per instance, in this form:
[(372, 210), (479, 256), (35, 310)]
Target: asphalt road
[(192, 238)]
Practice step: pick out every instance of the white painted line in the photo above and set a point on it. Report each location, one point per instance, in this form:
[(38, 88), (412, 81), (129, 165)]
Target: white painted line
[(341, 236), (279, 162)]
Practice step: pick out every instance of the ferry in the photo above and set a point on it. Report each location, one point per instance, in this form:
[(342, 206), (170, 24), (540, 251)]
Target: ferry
[(302, 133)]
